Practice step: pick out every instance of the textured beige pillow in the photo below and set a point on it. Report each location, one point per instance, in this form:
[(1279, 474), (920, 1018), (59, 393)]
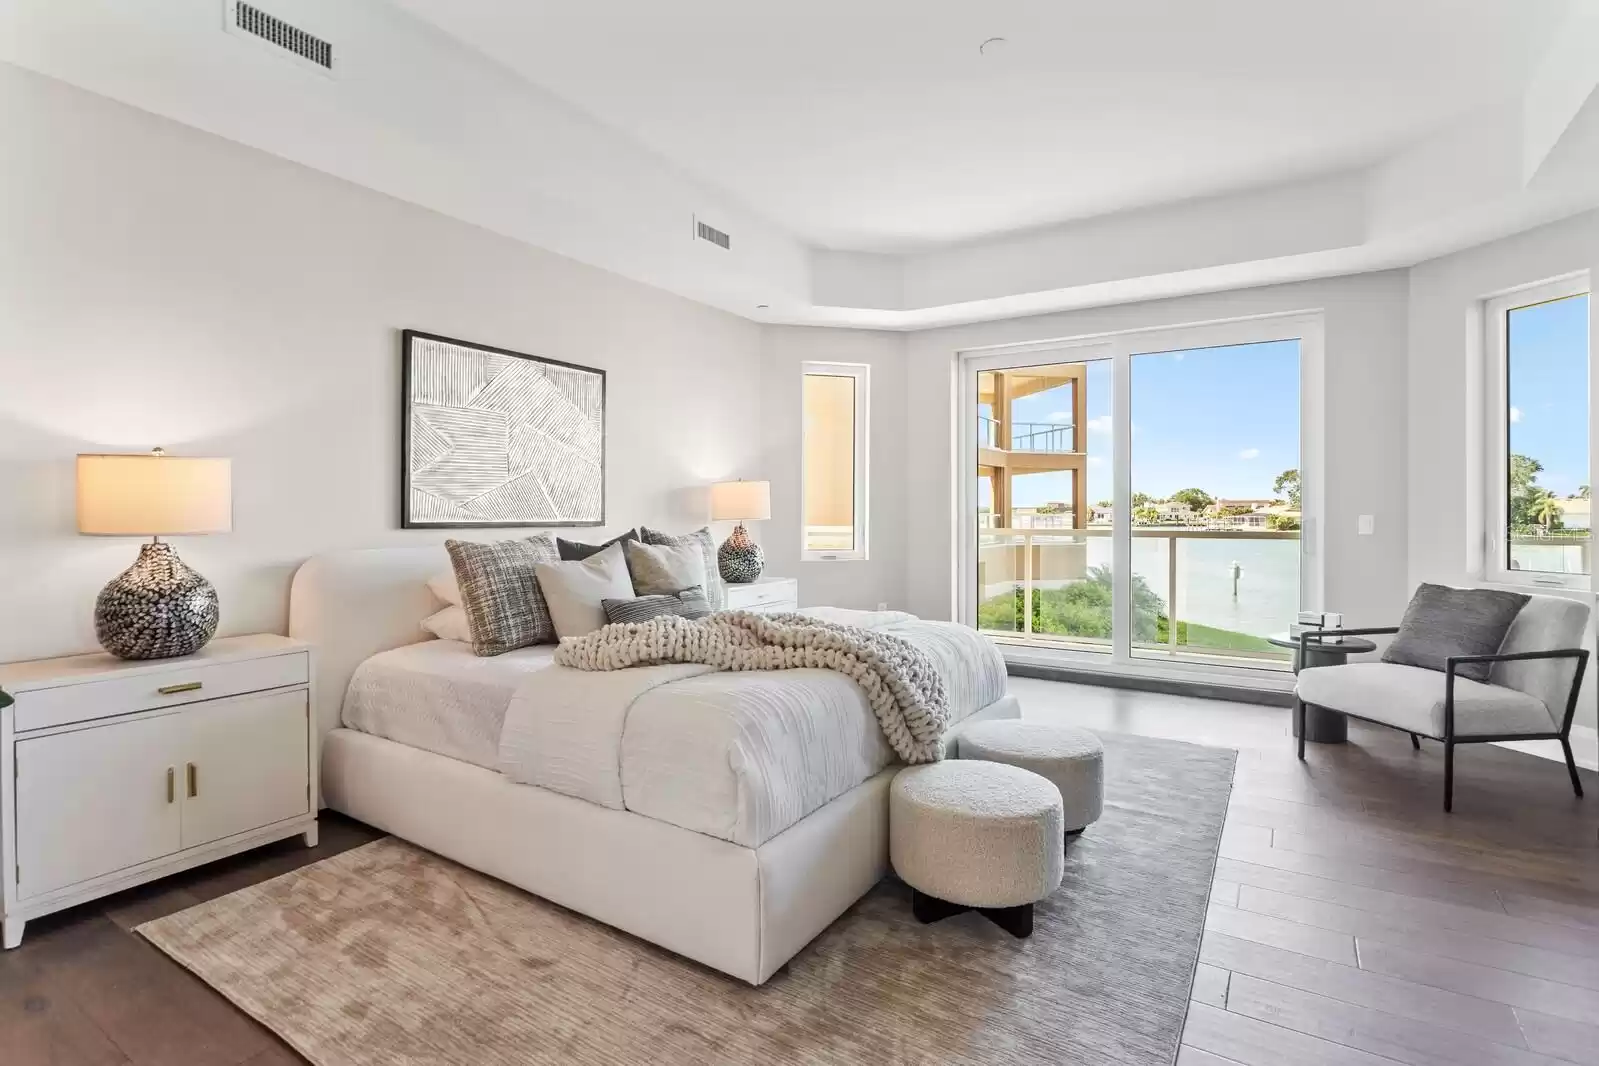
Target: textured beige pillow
[(500, 592), (444, 586), (576, 590), (701, 538), (664, 569), (449, 624)]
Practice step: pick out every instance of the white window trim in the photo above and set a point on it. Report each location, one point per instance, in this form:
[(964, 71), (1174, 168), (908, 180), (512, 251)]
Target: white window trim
[(1306, 326), (862, 373), (1495, 511)]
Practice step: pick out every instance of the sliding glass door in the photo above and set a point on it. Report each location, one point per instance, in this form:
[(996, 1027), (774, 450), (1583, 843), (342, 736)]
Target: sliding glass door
[(1042, 455), (1143, 499)]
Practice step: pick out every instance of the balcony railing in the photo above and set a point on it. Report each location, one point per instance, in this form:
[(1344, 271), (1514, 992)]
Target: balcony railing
[(1027, 436), (1204, 594)]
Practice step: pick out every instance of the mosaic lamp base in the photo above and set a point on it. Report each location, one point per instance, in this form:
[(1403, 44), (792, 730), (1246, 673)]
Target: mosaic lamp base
[(740, 559), (157, 608)]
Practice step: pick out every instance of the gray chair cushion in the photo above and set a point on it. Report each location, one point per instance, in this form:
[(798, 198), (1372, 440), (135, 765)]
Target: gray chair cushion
[(1546, 623), (1412, 699), (1442, 621)]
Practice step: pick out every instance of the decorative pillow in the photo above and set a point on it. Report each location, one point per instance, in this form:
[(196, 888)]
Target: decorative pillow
[(444, 586), (1443, 621), (714, 592), (449, 624), (690, 603), (577, 589), (664, 569), (500, 592), (572, 549)]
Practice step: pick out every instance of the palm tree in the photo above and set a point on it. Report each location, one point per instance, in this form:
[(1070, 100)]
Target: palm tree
[(1547, 513)]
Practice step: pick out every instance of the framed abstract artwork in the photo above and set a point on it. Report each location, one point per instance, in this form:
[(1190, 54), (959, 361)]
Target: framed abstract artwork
[(497, 438)]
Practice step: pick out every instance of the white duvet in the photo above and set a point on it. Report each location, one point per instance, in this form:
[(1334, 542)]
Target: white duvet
[(740, 756)]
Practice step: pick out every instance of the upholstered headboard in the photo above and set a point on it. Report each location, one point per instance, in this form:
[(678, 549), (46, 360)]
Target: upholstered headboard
[(350, 605)]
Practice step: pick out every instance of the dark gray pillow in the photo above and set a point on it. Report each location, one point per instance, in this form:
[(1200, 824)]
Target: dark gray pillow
[(1443, 621), (575, 550), (690, 603)]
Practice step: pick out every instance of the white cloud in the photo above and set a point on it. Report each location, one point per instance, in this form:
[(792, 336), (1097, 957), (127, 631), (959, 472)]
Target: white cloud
[(1100, 424), (1094, 460), (1058, 416), (1515, 414), (1249, 453), (1179, 356)]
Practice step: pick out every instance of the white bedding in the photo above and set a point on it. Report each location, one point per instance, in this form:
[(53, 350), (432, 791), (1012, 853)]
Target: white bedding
[(739, 756), (439, 697)]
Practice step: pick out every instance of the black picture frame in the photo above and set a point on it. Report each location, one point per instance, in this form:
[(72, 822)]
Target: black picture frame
[(408, 520)]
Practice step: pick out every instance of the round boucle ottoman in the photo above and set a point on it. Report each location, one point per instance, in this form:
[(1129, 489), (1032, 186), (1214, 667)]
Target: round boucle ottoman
[(1072, 759), (976, 836)]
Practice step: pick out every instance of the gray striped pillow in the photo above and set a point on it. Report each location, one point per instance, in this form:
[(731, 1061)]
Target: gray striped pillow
[(690, 603), (505, 607)]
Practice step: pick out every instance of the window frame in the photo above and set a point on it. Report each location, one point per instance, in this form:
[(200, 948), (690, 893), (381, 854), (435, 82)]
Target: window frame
[(862, 374), (1496, 419)]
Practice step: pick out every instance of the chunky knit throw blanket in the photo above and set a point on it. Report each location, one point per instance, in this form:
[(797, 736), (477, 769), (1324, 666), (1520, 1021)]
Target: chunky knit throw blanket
[(905, 692)]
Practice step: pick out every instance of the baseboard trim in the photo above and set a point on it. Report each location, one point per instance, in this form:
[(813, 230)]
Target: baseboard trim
[(1205, 690), (1584, 747)]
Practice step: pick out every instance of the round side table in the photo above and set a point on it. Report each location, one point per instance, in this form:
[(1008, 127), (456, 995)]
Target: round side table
[(1323, 726)]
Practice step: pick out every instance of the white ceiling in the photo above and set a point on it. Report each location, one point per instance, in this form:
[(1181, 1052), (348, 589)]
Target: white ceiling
[(876, 125)]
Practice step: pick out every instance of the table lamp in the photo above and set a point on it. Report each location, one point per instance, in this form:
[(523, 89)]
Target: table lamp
[(740, 559), (158, 607)]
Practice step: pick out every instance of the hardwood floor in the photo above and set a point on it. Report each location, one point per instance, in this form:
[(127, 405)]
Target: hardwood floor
[(1351, 920)]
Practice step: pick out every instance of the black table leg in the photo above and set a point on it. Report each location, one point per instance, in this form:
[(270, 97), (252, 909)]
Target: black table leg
[(1017, 921)]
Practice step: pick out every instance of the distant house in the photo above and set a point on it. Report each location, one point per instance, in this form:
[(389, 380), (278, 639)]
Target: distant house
[(1576, 513), (1253, 505)]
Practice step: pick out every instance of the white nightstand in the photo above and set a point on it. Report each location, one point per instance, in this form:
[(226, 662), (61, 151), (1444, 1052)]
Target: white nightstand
[(764, 595), (116, 772)]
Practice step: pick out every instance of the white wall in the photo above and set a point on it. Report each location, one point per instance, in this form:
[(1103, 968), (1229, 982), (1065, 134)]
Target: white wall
[(1365, 443), (860, 583), (159, 285), (1444, 412)]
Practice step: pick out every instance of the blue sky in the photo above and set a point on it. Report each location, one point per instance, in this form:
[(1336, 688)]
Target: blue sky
[(1549, 390), (1225, 420)]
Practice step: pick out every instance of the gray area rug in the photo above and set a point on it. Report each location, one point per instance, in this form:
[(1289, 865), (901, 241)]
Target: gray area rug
[(389, 954)]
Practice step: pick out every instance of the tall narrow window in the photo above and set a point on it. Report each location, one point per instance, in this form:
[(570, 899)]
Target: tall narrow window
[(833, 476), (1540, 532)]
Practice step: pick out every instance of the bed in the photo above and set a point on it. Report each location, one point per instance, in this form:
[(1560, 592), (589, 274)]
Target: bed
[(749, 810)]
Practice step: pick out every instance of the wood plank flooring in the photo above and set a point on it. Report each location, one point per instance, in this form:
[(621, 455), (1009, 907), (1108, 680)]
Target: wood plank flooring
[(1351, 920)]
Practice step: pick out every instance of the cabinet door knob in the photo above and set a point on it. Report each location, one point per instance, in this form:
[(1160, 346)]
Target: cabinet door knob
[(171, 784), (194, 780)]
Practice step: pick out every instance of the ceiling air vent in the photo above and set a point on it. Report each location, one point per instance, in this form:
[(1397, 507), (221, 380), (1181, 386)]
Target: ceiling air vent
[(243, 18), (712, 234)]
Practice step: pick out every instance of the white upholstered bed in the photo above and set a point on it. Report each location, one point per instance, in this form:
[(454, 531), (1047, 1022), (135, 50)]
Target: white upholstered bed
[(750, 809)]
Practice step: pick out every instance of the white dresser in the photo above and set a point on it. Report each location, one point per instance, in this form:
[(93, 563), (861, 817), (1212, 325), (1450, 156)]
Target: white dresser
[(115, 773), (764, 595)]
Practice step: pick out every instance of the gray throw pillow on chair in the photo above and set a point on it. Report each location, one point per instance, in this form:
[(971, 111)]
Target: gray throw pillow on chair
[(1442, 621)]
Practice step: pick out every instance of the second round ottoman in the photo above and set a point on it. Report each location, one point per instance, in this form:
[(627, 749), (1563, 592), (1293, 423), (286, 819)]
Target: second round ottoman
[(1072, 759)]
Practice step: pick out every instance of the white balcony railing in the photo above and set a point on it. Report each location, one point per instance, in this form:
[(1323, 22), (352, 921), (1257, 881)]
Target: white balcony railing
[(1198, 593)]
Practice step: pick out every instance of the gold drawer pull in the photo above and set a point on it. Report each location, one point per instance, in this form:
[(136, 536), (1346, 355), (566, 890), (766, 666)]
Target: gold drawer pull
[(194, 781), (186, 686), (171, 784)]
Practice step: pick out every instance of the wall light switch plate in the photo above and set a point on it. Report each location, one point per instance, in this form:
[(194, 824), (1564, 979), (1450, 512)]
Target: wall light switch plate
[(1368, 525)]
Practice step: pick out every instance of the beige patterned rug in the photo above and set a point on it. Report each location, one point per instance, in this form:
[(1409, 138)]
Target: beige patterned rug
[(389, 954)]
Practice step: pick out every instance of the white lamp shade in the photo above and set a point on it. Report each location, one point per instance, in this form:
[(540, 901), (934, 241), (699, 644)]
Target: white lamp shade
[(154, 495), (741, 501)]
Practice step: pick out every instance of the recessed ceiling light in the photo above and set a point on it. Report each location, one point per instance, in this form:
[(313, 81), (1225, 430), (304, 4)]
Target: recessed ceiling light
[(992, 45)]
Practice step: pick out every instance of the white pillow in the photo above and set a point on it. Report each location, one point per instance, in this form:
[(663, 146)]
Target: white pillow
[(446, 588), (576, 591), (665, 569), (449, 624)]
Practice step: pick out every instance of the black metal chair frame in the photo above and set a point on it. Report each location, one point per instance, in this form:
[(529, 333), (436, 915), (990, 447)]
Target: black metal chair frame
[(1449, 740)]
